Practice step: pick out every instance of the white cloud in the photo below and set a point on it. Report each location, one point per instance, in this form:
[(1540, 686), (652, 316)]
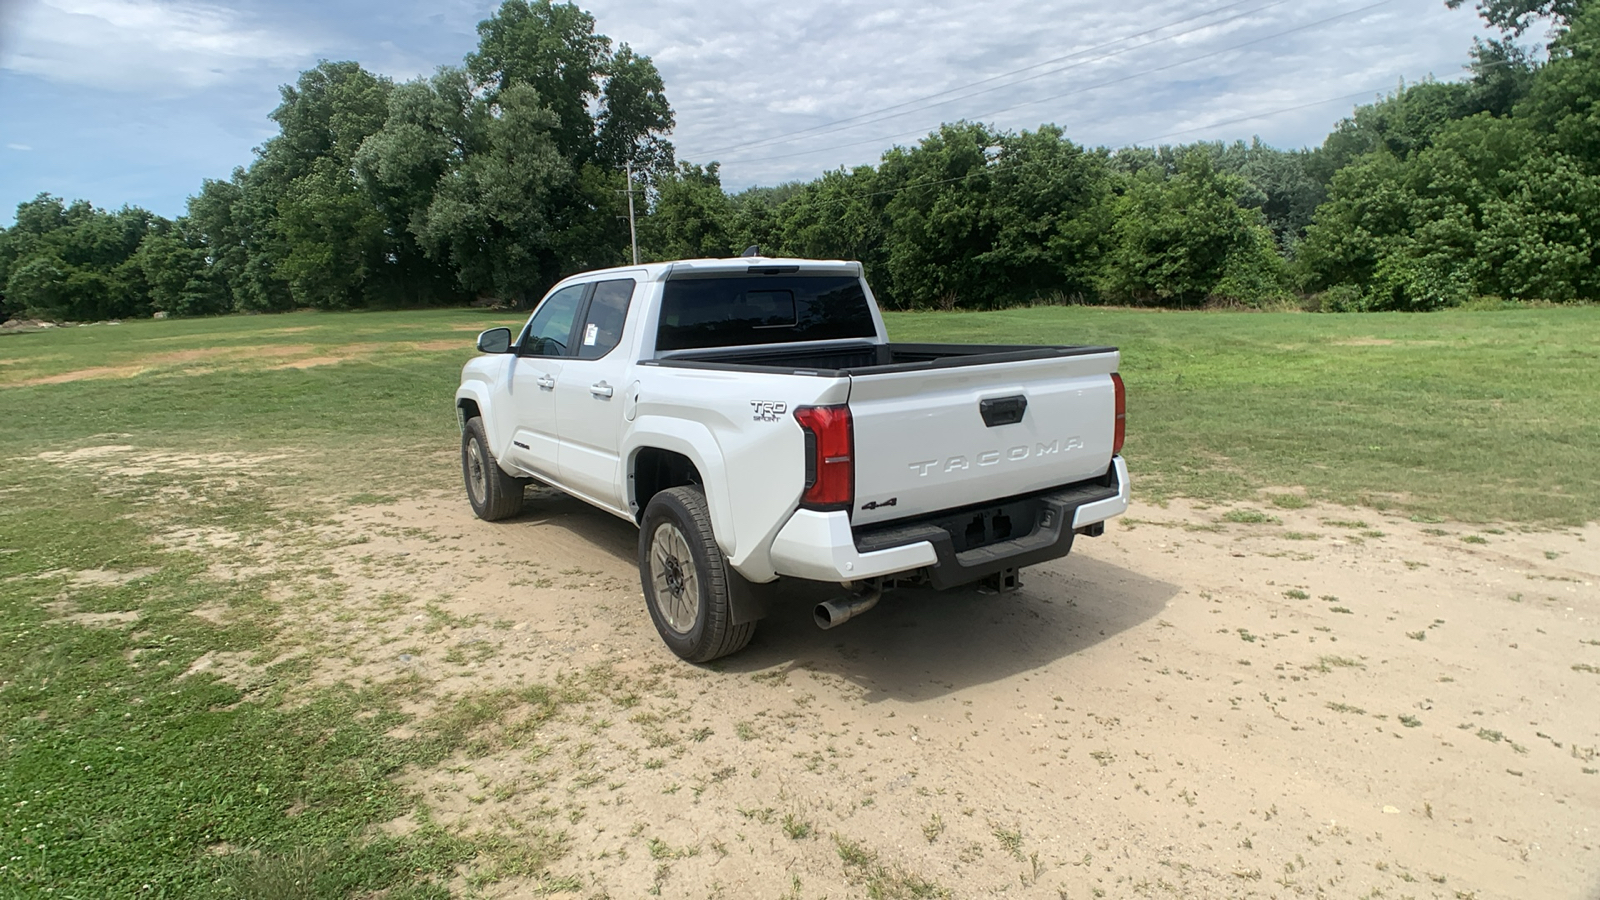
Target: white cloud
[(144, 45), (741, 74), (18, 147)]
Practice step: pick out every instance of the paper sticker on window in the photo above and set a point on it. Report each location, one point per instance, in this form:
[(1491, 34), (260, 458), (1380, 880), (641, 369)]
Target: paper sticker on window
[(591, 334)]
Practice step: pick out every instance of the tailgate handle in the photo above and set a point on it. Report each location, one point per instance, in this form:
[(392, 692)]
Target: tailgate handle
[(1003, 410)]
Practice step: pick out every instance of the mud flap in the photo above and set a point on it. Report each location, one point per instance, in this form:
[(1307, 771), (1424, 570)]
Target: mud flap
[(744, 600)]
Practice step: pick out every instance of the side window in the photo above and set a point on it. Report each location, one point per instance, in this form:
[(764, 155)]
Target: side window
[(551, 327), (608, 310)]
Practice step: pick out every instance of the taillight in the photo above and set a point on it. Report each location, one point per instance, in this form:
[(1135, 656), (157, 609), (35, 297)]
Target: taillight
[(1122, 414), (830, 444)]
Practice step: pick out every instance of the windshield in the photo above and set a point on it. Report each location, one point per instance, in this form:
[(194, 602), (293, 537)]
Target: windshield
[(762, 309)]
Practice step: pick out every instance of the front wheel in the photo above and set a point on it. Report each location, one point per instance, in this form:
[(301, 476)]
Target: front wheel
[(686, 581), (494, 495)]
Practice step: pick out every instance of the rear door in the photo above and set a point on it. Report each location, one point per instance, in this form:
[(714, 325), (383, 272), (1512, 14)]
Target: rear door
[(541, 353), (942, 438), (590, 395)]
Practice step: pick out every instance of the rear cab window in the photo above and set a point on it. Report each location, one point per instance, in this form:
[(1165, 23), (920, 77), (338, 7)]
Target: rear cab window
[(741, 310), (607, 313)]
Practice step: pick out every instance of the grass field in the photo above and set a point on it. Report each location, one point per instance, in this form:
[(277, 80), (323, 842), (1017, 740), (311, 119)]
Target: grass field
[(120, 776)]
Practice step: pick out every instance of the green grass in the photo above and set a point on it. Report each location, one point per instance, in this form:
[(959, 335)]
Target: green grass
[(1469, 415)]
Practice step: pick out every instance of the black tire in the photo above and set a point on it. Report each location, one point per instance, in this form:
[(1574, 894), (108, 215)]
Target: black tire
[(696, 620), (494, 495)]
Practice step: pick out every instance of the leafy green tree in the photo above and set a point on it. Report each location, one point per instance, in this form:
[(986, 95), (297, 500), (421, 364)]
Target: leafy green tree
[(635, 116), (75, 261), (552, 48), (493, 216), (331, 245), (1187, 239), (840, 215), (690, 218), (940, 220), (1517, 16)]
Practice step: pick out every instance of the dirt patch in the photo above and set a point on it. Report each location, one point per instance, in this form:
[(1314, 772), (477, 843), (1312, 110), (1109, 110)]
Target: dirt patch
[(311, 362), (79, 375), (107, 577), (1335, 700), (442, 345)]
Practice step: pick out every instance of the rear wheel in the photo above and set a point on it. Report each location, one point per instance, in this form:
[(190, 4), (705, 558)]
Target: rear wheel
[(686, 580), (494, 495)]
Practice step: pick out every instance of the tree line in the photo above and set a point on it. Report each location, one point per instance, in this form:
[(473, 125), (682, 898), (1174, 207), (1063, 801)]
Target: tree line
[(499, 176)]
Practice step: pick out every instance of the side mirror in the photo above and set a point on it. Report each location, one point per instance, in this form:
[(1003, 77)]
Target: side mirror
[(495, 340)]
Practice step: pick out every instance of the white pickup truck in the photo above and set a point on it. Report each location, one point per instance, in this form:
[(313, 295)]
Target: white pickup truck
[(751, 416)]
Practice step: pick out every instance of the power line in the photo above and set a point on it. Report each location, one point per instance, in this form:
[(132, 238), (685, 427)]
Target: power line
[(869, 115), (1082, 90)]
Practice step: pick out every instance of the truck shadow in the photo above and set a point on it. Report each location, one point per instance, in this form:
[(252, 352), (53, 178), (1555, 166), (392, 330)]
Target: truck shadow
[(916, 644), (923, 644)]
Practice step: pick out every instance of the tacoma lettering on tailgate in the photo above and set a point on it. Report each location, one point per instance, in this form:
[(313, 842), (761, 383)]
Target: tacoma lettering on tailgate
[(1019, 453)]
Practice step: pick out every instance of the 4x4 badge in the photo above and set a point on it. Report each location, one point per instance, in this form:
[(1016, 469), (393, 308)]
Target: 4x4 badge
[(875, 504)]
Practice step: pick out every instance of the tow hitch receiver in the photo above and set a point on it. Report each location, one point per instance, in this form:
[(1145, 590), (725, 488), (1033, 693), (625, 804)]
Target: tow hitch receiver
[(1004, 581)]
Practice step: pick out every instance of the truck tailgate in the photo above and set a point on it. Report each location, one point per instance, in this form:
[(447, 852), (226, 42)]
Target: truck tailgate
[(940, 438)]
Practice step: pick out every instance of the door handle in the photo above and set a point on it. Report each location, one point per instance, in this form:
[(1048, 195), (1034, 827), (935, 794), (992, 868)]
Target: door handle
[(601, 389), (546, 382)]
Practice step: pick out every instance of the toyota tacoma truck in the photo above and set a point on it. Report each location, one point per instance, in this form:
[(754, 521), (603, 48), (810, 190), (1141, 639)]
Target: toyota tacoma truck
[(753, 419)]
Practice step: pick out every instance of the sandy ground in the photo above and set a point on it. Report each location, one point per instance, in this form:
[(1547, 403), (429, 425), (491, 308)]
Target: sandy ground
[(1345, 704), (1327, 703)]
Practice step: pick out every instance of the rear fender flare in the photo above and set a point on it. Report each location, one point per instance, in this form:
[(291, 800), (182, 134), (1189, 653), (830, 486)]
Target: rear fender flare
[(695, 441)]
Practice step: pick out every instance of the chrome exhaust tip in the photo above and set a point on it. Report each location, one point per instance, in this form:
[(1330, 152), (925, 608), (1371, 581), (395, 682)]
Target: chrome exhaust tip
[(833, 613)]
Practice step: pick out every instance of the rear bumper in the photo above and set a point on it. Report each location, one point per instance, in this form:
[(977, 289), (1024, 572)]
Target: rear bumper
[(955, 547)]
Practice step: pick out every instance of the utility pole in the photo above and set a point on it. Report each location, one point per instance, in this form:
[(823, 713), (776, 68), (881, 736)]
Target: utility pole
[(633, 233)]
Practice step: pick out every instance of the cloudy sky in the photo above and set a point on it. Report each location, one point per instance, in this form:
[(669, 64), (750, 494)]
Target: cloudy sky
[(135, 101)]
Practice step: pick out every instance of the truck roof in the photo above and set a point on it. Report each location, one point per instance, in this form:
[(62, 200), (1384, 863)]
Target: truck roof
[(681, 268)]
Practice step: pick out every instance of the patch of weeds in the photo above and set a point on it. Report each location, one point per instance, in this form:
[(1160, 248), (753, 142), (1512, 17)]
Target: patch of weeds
[(774, 678), (1346, 708), (1436, 532), (1103, 757), (1352, 524), (1301, 536), (1296, 594), (1288, 501), (1410, 721), (883, 882), (1010, 840), (1414, 565), (746, 730), (1329, 663), (660, 849), (795, 827), (1250, 517), (933, 828), (1551, 554), (1474, 539), (1585, 667), (1426, 519), (366, 499), (1417, 635), (527, 855), (1493, 737), (699, 735)]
